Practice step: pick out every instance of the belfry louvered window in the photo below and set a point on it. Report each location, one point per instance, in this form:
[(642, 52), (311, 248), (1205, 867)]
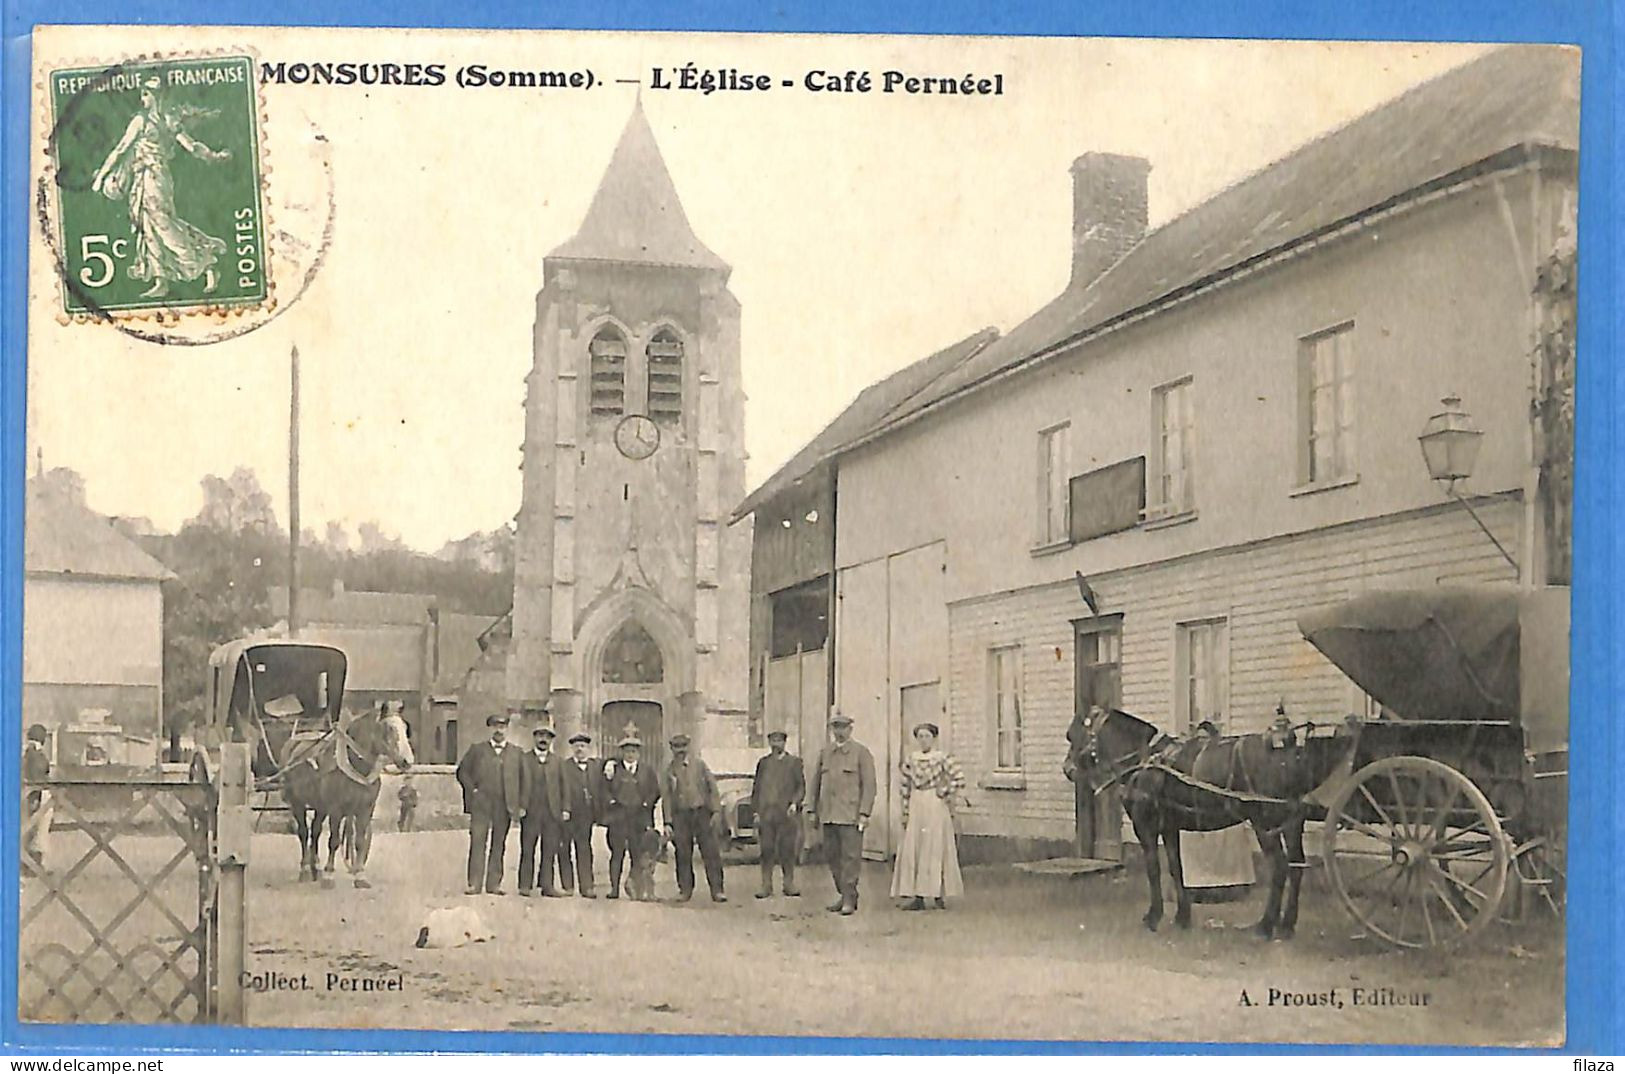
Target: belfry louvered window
[(608, 350), (666, 378)]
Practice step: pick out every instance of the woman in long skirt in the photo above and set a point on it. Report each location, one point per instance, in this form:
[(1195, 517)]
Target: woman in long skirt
[(928, 860)]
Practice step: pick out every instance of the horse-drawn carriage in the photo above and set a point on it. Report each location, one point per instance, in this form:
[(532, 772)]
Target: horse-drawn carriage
[(285, 697), (1463, 779)]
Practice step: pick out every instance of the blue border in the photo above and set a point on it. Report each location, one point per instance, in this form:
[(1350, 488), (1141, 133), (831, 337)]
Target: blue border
[(1598, 812)]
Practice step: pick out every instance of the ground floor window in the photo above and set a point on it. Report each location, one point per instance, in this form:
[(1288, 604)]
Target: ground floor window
[(1202, 672), (1004, 698)]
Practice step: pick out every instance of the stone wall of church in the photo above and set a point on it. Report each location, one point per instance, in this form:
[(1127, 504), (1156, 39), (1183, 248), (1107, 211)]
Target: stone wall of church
[(603, 537)]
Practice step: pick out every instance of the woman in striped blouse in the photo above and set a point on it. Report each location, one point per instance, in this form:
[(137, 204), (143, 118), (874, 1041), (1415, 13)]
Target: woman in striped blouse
[(928, 861)]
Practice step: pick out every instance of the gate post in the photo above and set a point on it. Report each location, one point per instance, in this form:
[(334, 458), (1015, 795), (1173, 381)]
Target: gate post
[(234, 825)]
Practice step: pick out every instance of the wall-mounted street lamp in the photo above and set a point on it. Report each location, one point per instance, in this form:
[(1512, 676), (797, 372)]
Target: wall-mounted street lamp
[(1450, 444)]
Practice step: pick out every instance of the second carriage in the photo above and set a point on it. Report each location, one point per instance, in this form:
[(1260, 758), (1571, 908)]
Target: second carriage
[(1458, 788)]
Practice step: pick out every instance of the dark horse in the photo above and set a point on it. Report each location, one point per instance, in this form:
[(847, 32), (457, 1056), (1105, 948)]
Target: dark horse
[(1203, 785), (335, 777)]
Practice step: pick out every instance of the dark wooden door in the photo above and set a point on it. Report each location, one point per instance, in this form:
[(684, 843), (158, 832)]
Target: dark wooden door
[(1098, 831), (643, 717)]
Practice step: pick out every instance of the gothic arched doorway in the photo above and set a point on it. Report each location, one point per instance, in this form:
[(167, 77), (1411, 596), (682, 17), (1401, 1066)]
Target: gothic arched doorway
[(632, 683)]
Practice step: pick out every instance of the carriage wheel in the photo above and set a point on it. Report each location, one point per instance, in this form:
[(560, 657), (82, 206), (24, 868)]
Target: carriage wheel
[(1416, 852)]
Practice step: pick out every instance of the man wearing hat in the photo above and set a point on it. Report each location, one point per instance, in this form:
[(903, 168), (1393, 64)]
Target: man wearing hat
[(37, 807), (491, 774), (543, 795), (631, 791), (841, 796), (692, 804), (583, 798), (776, 795)]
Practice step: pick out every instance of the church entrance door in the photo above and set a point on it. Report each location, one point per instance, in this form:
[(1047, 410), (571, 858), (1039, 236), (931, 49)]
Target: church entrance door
[(645, 717)]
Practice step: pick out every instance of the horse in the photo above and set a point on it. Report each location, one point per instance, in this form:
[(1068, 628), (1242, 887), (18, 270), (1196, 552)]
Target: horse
[(337, 781), (1207, 784)]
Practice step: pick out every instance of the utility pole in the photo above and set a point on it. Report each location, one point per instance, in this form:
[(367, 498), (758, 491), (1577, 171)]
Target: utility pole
[(293, 493)]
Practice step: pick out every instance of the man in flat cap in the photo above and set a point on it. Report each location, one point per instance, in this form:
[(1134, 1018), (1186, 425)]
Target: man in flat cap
[(38, 809), (583, 799), (693, 805), (631, 791), (543, 795), (491, 774), (841, 795), (776, 795)]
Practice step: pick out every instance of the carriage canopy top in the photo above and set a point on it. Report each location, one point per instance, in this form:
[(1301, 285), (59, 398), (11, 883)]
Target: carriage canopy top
[(1427, 654), (279, 678)]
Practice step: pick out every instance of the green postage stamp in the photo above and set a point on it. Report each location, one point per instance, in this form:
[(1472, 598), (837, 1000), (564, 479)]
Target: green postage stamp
[(157, 186)]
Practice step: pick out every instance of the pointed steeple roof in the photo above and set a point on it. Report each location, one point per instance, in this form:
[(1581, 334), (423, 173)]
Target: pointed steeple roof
[(636, 215)]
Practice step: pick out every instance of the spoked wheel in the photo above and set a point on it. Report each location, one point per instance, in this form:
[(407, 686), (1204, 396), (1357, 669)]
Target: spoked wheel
[(1416, 853)]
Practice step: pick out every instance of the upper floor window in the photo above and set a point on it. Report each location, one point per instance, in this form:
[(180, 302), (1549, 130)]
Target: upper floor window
[(666, 377), (1326, 394), (1052, 484), (1202, 672), (1004, 698), (608, 351), (1174, 485)]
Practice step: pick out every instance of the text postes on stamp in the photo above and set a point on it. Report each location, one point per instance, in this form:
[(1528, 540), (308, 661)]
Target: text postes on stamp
[(157, 176)]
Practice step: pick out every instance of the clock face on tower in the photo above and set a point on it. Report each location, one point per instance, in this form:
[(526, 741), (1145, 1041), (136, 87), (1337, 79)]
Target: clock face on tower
[(637, 436)]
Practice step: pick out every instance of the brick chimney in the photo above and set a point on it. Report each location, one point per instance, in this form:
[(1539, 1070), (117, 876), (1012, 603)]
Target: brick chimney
[(1108, 212)]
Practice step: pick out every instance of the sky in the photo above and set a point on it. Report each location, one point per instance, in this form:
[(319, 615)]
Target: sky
[(864, 231)]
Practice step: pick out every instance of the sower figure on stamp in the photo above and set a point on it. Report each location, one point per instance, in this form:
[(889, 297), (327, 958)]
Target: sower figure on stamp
[(582, 784), (776, 794), (490, 774), (137, 171), (841, 796), (543, 795), (37, 807), (632, 789), (693, 803)]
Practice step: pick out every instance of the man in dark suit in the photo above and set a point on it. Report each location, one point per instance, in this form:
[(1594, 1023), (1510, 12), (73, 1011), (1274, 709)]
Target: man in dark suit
[(693, 802), (776, 795), (491, 774), (543, 795), (582, 784), (632, 789)]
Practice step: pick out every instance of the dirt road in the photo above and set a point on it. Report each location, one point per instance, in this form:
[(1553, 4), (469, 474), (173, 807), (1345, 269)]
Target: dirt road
[(1019, 957)]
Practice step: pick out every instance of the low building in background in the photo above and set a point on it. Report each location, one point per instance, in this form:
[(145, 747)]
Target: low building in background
[(93, 650), (401, 647)]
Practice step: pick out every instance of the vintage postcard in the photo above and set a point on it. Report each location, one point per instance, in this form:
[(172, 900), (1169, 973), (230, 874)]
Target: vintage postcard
[(798, 536)]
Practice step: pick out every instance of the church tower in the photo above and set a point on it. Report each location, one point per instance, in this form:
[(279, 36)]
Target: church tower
[(631, 594)]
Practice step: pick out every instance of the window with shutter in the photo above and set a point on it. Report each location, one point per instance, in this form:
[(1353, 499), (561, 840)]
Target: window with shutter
[(666, 377), (608, 371)]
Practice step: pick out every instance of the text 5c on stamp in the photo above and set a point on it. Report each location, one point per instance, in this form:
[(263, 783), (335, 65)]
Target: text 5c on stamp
[(157, 181)]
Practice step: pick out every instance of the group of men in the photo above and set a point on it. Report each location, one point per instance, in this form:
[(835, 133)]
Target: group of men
[(557, 801)]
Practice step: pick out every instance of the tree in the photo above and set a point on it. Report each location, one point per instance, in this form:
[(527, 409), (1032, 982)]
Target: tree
[(225, 560), (65, 483), (236, 503), (372, 538)]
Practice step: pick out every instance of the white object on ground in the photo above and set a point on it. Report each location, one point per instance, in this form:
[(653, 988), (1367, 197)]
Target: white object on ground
[(453, 926)]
